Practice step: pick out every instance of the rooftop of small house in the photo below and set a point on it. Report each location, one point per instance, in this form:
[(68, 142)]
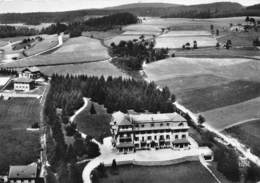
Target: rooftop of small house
[(31, 69), (23, 80), (23, 171)]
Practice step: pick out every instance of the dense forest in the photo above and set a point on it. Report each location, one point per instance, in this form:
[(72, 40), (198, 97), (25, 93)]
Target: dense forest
[(220, 9), (115, 93), (11, 31), (73, 28), (132, 54)]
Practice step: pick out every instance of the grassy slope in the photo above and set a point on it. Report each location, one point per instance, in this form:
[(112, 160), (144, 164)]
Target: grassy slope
[(75, 50), (92, 69), (18, 145), (47, 43), (248, 134), (224, 116), (203, 99), (94, 124), (192, 172)]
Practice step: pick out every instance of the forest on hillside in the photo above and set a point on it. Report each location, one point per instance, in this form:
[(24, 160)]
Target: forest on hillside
[(220, 9), (73, 28)]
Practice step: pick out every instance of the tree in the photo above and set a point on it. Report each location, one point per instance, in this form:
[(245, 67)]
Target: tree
[(212, 28), (92, 109), (247, 19), (201, 119), (195, 45), (217, 32), (92, 149)]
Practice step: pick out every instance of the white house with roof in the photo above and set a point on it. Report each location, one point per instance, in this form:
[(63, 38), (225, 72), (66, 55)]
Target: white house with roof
[(23, 84), (24, 174), (30, 73), (133, 132)]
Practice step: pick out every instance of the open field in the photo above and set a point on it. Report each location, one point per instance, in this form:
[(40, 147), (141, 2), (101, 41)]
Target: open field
[(181, 83), (174, 42), (123, 37), (219, 53), (240, 39), (205, 84), (38, 47), (224, 67), (75, 50), (18, 145), (95, 125), (231, 114), (102, 34), (212, 97), (192, 172), (248, 134), (19, 113), (104, 68)]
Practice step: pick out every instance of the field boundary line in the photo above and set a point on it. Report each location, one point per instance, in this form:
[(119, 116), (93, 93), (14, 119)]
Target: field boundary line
[(239, 123)]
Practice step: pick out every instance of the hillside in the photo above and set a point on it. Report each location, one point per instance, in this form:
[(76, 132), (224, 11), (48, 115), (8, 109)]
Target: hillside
[(212, 10), (143, 5)]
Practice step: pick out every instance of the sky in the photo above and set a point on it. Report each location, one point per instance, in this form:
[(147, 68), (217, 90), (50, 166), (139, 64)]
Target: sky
[(65, 5)]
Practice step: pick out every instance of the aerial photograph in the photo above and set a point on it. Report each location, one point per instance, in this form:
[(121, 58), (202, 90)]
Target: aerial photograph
[(129, 91)]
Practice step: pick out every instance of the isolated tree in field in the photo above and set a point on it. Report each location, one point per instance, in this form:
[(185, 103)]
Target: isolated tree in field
[(247, 19), (217, 32), (195, 45), (92, 109), (201, 119), (212, 28), (114, 165)]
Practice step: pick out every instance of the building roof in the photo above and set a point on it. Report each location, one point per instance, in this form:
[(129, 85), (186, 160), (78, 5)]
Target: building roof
[(23, 80), (31, 69), (23, 171), (121, 119), (125, 145), (181, 141), (144, 118)]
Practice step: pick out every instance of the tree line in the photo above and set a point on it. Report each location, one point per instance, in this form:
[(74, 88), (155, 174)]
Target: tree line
[(115, 93), (73, 28), (131, 54), (12, 31)]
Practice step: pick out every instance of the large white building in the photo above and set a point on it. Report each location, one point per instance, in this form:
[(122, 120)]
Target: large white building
[(145, 131)]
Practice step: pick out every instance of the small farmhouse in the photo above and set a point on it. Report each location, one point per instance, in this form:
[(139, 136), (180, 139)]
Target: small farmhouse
[(145, 131), (23, 173), (23, 84), (30, 73)]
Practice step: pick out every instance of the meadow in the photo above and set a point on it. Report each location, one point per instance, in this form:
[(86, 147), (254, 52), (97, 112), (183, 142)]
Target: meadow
[(248, 134), (190, 172), (40, 46), (74, 50), (18, 145), (124, 37), (103, 68), (96, 125), (222, 117), (176, 39)]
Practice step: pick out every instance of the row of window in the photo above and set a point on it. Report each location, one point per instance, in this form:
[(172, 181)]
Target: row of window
[(19, 86), (161, 137)]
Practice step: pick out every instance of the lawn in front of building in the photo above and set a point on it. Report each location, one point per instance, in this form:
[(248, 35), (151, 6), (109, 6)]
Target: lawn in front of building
[(190, 172)]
